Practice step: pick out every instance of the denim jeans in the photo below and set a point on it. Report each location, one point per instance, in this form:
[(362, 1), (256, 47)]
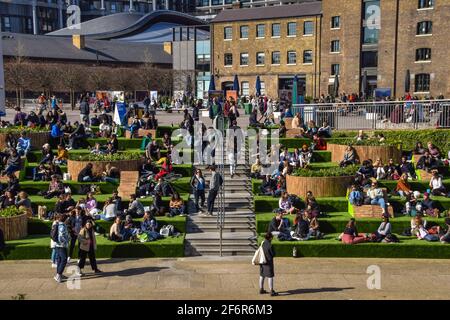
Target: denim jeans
[(431, 237), (11, 169), (380, 202), (61, 259), (53, 257)]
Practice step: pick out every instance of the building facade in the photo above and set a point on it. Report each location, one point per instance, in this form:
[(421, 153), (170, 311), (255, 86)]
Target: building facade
[(386, 40), (275, 43), (32, 16), (208, 9)]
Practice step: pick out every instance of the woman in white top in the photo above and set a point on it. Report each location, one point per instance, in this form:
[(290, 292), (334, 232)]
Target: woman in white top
[(436, 185)]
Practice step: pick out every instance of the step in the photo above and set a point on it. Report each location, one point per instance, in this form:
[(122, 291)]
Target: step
[(215, 252), (213, 228), (228, 219), (214, 235)]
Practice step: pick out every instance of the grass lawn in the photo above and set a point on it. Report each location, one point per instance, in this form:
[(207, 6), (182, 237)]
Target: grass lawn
[(38, 247), (329, 247)]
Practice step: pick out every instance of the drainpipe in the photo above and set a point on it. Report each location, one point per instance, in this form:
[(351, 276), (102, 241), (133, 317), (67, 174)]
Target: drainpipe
[(397, 13)]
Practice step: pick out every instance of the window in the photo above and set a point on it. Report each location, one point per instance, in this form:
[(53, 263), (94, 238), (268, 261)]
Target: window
[(424, 27), (371, 35), (308, 28), (228, 59), (245, 88), (260, 58), (244, 59), (260, 31), (244, 32), (276, 57), (335, 69), (113, 7), (292, 29), (422, 82), (6, 24), (335, 22), (369, 59), (425, 4), (276, 30), (423, 54), (307, 56), (335, 46), (292, 57), (228, 33)]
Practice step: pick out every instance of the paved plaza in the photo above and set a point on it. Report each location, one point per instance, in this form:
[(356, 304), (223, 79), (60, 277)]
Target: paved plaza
[(232, 279)]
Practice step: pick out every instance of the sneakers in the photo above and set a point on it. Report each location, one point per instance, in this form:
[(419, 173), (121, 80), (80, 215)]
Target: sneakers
[(273, 294), (54, 265), (57, 278), (68, 259), (98, 271), (262, 291)]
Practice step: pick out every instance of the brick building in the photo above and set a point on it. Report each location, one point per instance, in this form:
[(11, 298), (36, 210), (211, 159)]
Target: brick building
[(386, 39), (382, 39), (275, 43)]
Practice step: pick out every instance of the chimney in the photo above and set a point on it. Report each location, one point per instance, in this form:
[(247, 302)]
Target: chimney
[(78, 41), (236, 4), (168, 47)]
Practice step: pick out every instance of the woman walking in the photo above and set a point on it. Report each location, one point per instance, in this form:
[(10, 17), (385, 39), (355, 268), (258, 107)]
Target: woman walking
[(88, 245), (267, 269)]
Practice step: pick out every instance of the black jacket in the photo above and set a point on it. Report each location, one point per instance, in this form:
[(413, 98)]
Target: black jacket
[(84, 108), (86, 172)]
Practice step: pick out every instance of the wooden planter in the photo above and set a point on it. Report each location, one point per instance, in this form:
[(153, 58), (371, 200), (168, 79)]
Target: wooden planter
[(14, 228), (74, 167), (366, 152), (38, 139), (320, 186)]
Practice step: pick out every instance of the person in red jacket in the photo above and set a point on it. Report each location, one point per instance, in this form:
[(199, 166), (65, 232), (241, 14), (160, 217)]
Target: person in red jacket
[(319, 143)]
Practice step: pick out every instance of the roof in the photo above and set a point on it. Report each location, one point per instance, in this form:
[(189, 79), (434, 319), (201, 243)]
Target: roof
[(105, 24), (128, 25), (61, 48), (303, 9)]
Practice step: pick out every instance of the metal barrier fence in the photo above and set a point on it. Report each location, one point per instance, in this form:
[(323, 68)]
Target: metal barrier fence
[(424, 114)]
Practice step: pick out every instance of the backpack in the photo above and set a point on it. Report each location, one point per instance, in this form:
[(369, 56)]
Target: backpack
[(54, 233), (391, 238), (295, 201), (220, 180), (167, 231), (2, 240)]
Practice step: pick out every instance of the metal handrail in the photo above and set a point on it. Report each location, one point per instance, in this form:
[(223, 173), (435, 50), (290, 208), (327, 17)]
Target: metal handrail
[(221, 194)]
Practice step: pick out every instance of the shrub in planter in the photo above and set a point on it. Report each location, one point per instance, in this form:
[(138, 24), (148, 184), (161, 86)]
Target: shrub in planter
[(11, 212), (328, 172), (107, 157)]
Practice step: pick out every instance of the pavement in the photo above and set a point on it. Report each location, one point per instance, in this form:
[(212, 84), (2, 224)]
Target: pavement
[(232, 278)]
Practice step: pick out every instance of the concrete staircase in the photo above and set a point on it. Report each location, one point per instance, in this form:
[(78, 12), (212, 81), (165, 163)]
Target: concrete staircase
[(128, 183), (239, 233)]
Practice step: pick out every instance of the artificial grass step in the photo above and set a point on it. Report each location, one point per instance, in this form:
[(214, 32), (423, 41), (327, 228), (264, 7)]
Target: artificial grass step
[(36, 226), (329, 247), (336, 222), (38, 247), (340, 204), (101, 198)]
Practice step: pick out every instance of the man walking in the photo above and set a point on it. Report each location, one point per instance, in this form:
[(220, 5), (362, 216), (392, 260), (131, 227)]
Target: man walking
[(214, 186), (60, 235)]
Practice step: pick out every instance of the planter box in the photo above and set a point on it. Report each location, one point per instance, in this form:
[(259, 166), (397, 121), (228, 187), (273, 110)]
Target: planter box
[(366, 152), (14, 228), (74, 167), (38, 139), (320, 186)]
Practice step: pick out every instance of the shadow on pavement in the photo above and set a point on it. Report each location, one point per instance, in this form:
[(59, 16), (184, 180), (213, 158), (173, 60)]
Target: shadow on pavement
[(317, 290), (124, 273)]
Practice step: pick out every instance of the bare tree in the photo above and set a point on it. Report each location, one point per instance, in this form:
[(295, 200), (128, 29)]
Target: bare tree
[(17, 73), (99, 78), (124, 79), (45, 77), (73, 79)]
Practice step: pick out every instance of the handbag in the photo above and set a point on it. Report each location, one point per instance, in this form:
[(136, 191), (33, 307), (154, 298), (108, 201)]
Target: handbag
[(259, 256)]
